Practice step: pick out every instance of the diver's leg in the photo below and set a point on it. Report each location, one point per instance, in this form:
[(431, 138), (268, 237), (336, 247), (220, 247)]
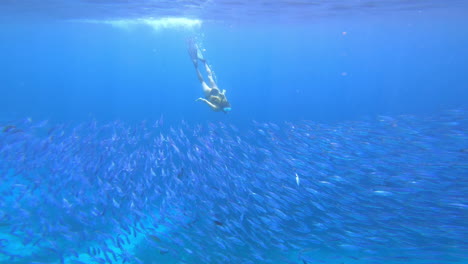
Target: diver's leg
[(209, 73), (196, 54), (199, 75), (206, 88)]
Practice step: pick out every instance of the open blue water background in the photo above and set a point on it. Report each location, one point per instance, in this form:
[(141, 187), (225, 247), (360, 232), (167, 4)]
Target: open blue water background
[(291, 69), (395, 61)]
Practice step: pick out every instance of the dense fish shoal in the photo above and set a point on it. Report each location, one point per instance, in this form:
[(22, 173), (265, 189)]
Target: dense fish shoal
[(383, 190)]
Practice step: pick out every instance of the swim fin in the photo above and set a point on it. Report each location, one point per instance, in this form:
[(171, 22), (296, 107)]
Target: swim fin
[(194, 52)]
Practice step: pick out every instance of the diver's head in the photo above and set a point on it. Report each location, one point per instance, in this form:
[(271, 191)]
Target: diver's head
[(214, 92)]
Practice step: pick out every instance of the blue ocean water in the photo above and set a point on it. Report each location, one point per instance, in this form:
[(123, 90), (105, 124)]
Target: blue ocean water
[(347, 140)]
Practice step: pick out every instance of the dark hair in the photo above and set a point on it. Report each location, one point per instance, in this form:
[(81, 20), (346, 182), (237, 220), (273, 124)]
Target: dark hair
[(214, 92)]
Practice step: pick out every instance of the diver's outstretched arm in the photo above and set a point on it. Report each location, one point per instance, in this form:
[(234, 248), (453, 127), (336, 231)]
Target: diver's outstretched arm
[(208, 103)]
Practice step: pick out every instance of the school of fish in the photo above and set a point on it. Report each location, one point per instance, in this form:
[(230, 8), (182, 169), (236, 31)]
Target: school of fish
[(383, 190)]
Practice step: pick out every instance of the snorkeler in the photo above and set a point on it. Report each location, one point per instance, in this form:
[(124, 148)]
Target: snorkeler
[(214, 98)]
